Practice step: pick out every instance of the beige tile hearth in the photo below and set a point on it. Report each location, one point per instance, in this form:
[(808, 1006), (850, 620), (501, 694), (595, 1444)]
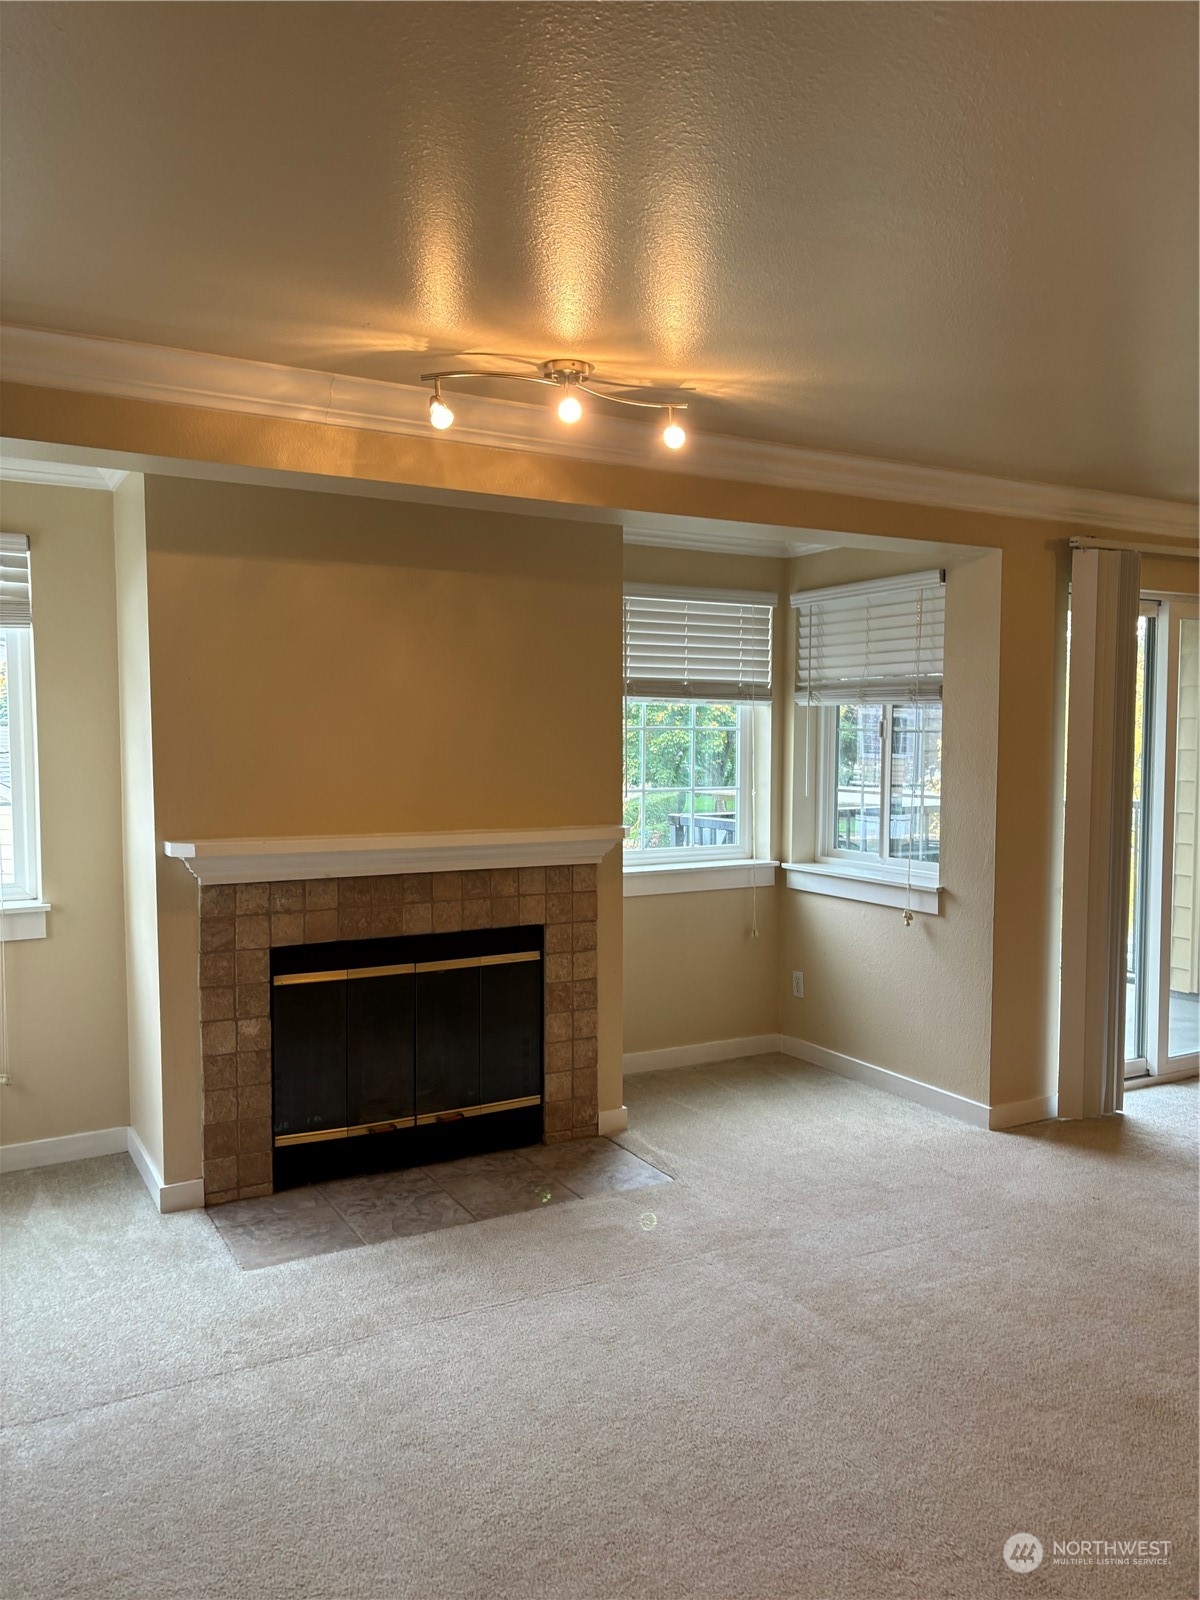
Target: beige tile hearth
[(274, 1229)]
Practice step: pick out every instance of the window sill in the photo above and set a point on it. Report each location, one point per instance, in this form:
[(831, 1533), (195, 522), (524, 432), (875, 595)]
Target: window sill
[(817, 877), (694, 877), (23, 919)]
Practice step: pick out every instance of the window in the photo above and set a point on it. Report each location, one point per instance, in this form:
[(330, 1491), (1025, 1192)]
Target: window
[(20, 873), (882, 760), (696, 665), (687, 778), (869, 673)]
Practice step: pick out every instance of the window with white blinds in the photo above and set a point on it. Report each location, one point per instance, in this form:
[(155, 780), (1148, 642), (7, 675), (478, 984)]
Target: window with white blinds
[(20, 862), (871, 642), (15, 608), (683, 644)]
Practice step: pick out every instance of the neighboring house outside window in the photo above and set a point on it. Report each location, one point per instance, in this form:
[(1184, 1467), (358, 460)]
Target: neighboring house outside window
[(882, 761), (20, 864), (869, 660)]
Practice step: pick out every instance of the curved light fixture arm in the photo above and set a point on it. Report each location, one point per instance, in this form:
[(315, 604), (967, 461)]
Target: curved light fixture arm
[(646, 405), (509, 377)]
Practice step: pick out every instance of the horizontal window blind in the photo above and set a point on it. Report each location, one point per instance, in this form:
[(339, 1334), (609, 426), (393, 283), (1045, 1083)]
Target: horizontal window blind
[(697, 645), (15, 608), (871, 641)]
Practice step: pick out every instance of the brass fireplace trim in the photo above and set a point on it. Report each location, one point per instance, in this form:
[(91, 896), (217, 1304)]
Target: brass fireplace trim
[(405, 967), (397, 1124), (310, 977)]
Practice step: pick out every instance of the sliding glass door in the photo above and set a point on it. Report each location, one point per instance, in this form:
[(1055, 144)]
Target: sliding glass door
[(1137, 1008), (1180, 1026), (1162, 1022)]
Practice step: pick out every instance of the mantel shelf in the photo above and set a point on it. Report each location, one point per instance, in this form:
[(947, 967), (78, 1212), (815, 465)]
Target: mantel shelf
[(373, 854)]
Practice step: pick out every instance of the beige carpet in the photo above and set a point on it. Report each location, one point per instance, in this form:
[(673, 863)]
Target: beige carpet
[(851, 1349)]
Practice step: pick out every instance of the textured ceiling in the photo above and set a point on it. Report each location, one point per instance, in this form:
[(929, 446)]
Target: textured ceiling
[(962, 235)]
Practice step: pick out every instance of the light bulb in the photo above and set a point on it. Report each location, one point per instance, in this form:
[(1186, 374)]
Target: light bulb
[(569, 408), (673, 436), (440, 414)]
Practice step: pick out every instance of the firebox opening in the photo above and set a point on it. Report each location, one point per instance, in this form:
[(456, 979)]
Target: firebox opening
[(402, 1051)]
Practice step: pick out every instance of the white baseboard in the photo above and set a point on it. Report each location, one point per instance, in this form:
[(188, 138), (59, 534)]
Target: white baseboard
[(614, 1121), (958, 1106), (1016, 1113), (697, 1055), (71, 1147), (104, 1142), (187, 1196)]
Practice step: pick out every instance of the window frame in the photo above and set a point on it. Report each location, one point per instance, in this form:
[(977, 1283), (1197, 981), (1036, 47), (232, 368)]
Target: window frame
[(25, 890), (675, 857), (882, 867)]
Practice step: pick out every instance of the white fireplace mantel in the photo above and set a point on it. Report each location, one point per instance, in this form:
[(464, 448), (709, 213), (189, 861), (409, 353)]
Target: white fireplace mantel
[(368, 855)]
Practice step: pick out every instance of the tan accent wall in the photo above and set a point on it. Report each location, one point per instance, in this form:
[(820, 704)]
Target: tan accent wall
[(1170, 575), (694, 970), (64, 996), (327, 665), (915, 1000)]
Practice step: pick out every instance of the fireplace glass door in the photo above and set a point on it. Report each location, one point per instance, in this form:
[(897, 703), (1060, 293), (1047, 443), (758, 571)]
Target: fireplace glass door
[(380, 1059), (405, 1039)]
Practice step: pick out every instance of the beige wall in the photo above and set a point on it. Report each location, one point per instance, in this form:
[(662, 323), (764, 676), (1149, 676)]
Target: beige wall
[(64, 995), (694, 971), (326, 665), (916, 1000), (1030, 770), (140, 859)]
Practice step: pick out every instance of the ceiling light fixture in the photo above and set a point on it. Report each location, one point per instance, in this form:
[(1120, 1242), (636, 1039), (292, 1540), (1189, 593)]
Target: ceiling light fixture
[(570, 408), (440, 414), (574, 378), (673, 435)]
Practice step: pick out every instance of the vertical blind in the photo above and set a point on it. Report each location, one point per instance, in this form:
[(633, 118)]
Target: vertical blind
[(15, 608), (871, 641), (691, 644)]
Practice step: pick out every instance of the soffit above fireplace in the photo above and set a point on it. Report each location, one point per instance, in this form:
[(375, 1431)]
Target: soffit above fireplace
[(373, 854)]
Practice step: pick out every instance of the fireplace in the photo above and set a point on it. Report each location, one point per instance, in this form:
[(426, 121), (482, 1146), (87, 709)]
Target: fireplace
[(396, 1052), (250, 931)]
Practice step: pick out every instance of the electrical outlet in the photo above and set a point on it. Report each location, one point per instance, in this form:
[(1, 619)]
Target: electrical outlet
[(797, 986)]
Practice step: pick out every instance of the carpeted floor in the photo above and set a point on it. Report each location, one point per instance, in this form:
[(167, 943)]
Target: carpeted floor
[(847, 1353)]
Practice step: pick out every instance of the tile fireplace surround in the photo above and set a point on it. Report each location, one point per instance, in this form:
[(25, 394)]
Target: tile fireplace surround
[(241, 922)]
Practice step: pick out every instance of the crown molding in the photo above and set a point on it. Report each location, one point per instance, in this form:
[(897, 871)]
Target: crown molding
[(60, 474), (723, 538), (117, 368)]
